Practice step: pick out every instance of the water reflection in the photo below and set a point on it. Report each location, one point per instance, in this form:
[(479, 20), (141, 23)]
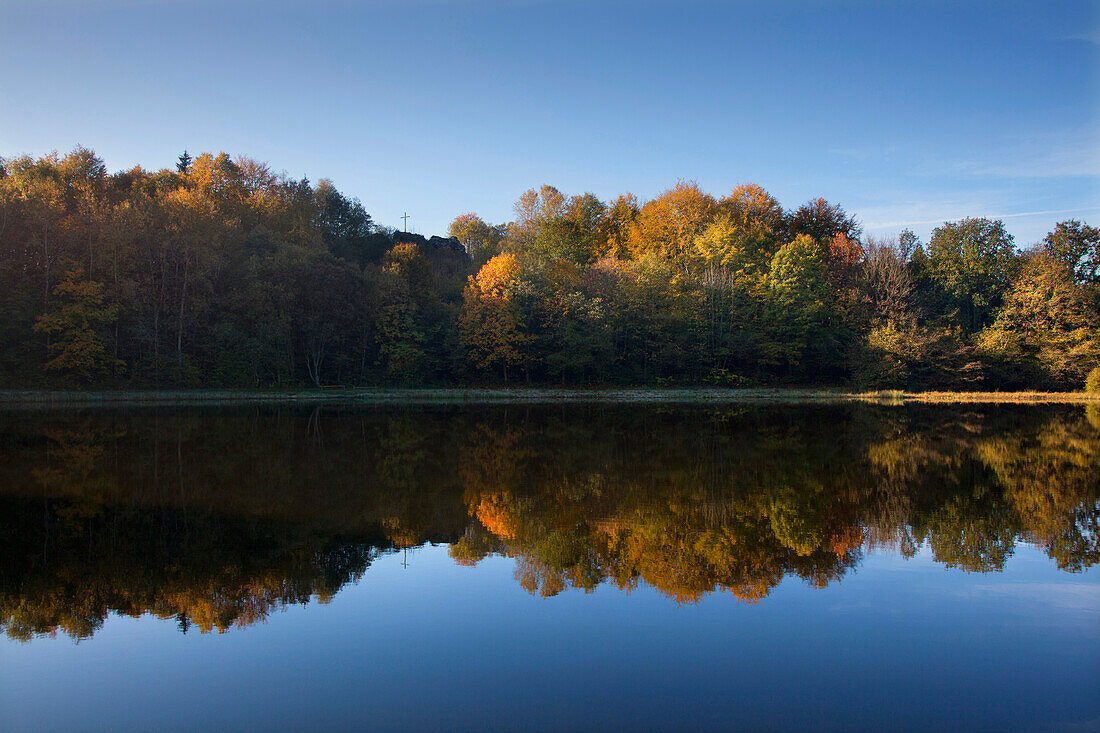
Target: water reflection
[(213, 518)]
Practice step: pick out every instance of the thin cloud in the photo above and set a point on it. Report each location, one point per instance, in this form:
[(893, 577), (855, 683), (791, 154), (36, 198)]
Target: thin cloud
[(1092, 36), (1081, 160), (1021, 214), (1068, 153)]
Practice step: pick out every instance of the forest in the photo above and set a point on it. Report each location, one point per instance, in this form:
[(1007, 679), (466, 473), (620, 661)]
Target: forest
[(220, 272)]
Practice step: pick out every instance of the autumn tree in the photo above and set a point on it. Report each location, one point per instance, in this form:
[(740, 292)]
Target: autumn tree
[(822, 221), (490, 324), (586, 229), (621, 215), (481, 240), (550, 225), (669, 224), (193, 225), (78, 348), (533, 209), (1046, 328), (888, 281), (745, 234)]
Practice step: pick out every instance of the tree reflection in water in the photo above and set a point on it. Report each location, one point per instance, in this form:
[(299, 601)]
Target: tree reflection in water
[(214, 518)]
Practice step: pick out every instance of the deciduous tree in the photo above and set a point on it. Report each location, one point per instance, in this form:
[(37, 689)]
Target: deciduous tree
[(84, 310), (974, 261)]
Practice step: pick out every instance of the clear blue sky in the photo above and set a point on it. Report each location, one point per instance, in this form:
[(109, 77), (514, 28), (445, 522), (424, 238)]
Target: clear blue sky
[(907, 113)]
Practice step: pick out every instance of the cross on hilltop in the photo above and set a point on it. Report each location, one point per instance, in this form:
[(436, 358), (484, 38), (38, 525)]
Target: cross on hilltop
[(406, 220)]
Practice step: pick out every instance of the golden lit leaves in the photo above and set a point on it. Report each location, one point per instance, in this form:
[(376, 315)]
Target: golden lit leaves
[(669, 223), (499, 276)]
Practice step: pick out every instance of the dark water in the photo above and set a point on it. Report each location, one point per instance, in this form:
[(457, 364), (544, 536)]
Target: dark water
[(583, 567)]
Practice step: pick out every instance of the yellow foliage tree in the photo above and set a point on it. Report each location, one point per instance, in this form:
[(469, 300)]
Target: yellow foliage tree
[(745, 233), (489, 324), (669, 224)]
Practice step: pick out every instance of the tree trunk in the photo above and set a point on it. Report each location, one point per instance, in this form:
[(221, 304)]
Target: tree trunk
[(314, 357), (179, 333), (156, 345)]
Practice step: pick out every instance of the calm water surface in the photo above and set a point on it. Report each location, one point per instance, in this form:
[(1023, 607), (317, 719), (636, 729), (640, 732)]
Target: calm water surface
[(524, 567)]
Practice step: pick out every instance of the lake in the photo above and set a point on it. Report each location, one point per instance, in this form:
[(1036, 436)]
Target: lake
[(581, 566)]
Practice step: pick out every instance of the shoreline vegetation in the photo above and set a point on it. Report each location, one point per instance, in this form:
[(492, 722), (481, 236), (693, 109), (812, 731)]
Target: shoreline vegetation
[(222, 274), (526, 395)]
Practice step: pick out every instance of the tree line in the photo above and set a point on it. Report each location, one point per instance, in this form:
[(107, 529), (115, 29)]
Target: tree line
[(220, 272)]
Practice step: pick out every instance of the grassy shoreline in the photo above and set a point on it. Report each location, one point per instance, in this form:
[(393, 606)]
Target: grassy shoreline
[(525, 395)]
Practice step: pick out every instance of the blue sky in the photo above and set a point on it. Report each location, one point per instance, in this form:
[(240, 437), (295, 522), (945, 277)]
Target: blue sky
[(907, 113)]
